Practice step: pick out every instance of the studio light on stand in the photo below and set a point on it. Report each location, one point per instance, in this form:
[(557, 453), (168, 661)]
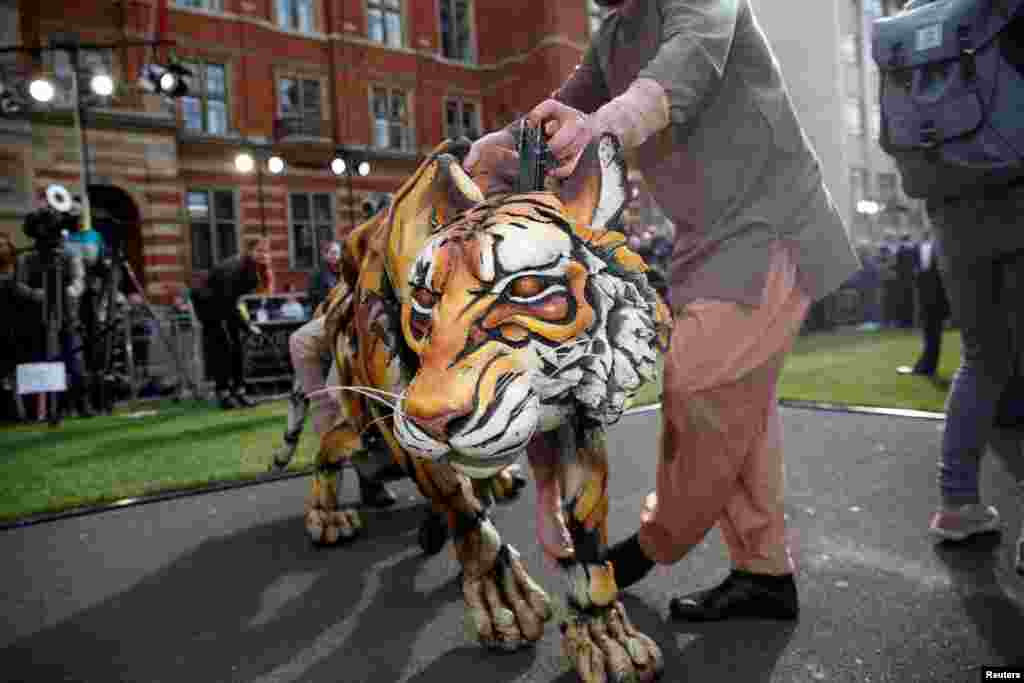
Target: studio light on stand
[(41, 89), (346, 162), (102, 84)]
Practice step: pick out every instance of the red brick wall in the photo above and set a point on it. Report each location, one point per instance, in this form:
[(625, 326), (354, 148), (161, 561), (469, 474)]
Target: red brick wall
[(524, 50)]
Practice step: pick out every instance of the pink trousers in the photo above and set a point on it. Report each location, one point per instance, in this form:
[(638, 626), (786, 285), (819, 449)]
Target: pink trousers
[(721, 450)]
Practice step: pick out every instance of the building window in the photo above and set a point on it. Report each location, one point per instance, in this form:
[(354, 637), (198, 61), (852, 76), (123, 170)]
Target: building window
[(461, 119), (391, 126), (312, 224), (299, 106), (456, 30), (385, 21), (209, 5), (296, 15), (854, 118), (214, 225), (205, 108), (595, 15)]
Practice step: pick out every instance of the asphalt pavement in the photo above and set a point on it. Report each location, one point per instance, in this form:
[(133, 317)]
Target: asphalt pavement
[(226, 586)]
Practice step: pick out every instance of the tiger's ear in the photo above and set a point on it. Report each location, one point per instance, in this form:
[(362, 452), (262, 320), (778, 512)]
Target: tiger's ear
[(437, 191), (595, 194)]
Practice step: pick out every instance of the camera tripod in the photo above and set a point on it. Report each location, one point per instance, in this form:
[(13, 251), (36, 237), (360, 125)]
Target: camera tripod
[(107, 303)]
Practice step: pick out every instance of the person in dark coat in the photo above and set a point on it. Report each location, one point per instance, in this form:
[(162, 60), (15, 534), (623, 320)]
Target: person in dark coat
[(934, 307), (225, 323), (326, 277), (906, 268)]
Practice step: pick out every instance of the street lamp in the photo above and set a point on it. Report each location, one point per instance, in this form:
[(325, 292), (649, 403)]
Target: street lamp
[(41, 90), (347, 162), (245, 162), (102, 85)]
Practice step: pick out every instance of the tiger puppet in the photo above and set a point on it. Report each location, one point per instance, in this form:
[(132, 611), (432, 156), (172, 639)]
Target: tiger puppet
[(474, 324)]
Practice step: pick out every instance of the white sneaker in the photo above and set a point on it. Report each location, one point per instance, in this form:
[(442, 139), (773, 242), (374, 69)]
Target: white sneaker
[(960, 523)]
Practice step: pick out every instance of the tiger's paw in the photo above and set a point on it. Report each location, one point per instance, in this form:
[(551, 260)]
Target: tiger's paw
[(603, 646), (325, 523), (506, 607)]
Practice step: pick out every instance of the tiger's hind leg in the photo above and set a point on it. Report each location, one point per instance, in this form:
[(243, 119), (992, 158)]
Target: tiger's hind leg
[(506, 608)]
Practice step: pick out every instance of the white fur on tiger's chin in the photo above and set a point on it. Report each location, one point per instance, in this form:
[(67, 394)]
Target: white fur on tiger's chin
[(487, 443)]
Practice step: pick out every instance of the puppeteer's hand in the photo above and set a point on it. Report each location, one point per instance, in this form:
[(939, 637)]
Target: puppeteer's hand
[(569, 131), (483, 151), (492, 162)]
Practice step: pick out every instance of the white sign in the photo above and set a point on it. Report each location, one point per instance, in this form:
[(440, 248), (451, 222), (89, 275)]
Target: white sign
[(41, 378)]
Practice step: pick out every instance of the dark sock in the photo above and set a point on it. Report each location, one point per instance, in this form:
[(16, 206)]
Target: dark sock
[(629, 561)]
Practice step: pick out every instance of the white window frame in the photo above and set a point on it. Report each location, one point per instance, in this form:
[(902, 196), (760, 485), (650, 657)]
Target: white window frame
[(212, 221), (386, 8), (313, 224), (198, 67), (293, 22), (409, 128)]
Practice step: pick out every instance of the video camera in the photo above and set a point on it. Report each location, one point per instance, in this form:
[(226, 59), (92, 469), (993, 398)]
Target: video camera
[(49, 224)]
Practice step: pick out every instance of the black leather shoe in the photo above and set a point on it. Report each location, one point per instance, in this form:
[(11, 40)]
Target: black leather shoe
[(244, 400), (742, 594), (229, 402), (375, 494)]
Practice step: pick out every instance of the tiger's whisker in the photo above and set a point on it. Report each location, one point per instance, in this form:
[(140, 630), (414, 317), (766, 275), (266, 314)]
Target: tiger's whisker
[(357, 390)]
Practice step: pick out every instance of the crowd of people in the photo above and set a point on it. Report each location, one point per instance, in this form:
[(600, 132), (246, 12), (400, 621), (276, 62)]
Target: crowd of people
[(693, 90)]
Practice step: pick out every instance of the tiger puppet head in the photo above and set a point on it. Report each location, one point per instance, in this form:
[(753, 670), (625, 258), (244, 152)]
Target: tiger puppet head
[(521, 310)]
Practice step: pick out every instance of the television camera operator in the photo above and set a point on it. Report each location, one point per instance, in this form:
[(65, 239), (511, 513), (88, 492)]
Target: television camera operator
[(27, 295)]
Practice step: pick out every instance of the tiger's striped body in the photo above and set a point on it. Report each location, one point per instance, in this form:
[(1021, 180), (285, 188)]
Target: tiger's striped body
[(493, 321)]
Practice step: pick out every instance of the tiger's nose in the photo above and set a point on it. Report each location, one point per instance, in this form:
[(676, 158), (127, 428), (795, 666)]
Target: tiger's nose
[(439, 426)]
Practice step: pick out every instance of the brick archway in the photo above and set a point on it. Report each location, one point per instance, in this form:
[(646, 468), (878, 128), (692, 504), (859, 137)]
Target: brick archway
[(116, 216)]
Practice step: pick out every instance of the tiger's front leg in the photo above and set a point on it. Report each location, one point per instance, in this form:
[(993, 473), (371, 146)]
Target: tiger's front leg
[(506, 607), (571, 468)]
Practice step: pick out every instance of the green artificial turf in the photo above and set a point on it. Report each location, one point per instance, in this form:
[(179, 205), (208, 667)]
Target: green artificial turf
[(859, 368), (132, 453)]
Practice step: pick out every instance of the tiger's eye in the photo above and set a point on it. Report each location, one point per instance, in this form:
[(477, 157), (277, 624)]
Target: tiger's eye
[(525, 287), (424, 297)]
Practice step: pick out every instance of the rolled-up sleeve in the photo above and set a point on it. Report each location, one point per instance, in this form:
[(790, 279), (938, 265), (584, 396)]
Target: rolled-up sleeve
[(585, 89), (695, 42)]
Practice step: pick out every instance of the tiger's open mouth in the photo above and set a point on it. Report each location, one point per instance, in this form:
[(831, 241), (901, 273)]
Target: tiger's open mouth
[(491, 436)]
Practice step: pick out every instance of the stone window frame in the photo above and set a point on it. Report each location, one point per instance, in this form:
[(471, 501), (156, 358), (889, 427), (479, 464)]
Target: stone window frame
[(198, 65), (298, 74), (386, 7), (409, 142), (313, 225), (316, 18), (473, 52), (461, 102), (212, 221)]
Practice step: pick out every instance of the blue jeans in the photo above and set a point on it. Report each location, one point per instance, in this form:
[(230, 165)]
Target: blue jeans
[(981, 257)]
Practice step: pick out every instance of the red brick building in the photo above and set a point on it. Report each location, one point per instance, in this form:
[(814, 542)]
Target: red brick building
[(293, 78)]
